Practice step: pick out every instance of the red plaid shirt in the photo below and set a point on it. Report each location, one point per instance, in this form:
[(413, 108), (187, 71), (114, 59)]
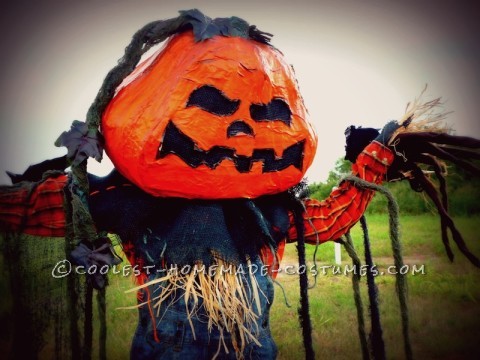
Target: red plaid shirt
[(331, 218), (39, 210), (34, 208)]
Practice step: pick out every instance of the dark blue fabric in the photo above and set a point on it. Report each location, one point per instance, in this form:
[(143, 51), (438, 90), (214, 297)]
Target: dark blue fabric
[(186, 231), (181, 232)]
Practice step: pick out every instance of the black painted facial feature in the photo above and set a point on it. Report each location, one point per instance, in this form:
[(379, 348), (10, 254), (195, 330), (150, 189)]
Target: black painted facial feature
[(177, 143), (275, 110), (239, 127), (210, 99)]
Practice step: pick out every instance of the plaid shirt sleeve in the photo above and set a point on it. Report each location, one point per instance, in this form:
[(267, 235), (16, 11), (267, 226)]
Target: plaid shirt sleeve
[(331, 218), (34, 208)]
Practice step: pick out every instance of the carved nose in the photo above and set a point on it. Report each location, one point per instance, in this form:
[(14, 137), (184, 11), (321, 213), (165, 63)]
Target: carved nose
[(239, 127)]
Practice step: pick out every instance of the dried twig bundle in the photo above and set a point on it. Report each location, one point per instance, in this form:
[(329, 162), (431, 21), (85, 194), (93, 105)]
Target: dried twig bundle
[(424, 139)]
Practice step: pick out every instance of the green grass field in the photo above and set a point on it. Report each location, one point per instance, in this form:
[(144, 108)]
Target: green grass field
[(444, 302)]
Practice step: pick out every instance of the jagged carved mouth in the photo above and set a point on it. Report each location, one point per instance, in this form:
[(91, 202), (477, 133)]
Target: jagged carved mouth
[(177, 143)]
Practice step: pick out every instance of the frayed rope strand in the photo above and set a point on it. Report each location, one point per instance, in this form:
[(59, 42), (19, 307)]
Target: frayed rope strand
[(376, 336), (317, 244), (348, 244), (401, 283), (304, 310)]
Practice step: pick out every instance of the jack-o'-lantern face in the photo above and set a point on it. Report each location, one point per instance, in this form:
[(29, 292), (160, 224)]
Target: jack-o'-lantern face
[(222, 118)]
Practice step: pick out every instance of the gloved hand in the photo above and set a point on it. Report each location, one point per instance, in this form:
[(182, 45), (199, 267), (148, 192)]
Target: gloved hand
[(356, 139), (35, 172), (387, 132)]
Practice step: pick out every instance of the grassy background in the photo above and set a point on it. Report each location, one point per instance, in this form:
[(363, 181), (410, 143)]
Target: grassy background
[(444, 302)]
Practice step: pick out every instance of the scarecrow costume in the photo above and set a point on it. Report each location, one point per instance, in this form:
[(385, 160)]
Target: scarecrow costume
[(210, 140)]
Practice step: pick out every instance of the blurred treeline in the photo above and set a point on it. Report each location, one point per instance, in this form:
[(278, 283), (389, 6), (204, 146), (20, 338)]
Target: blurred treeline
[(463, 192)]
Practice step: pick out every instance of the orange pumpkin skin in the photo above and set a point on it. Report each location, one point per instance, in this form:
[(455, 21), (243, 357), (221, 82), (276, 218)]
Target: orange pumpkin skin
[(158, 93)]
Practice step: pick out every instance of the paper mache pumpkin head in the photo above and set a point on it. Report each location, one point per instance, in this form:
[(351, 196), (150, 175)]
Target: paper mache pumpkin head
[(214, 119)]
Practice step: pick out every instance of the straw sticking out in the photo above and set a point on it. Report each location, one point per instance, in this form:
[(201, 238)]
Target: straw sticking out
[(423, 115), (223, 292)]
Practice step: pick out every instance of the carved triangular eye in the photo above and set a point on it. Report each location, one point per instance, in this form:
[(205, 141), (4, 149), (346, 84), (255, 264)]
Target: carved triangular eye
[(275, 110), (210, 99)]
